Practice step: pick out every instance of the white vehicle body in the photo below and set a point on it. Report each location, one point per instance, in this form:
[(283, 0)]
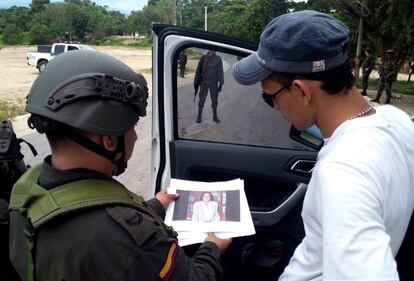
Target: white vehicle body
[(41, 59)]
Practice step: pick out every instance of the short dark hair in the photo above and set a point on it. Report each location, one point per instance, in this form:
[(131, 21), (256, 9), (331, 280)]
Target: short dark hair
[(334, 81)]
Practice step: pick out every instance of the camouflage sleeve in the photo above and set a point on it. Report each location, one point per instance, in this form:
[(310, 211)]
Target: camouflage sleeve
[(205, 265), (156, 206), (153, 254)]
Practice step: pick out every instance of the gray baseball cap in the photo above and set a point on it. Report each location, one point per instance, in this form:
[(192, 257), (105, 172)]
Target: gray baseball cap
[(299, 42)]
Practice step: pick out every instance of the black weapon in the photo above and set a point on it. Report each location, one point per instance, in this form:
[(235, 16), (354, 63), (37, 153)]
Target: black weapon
[(196, 86), (12, 167)]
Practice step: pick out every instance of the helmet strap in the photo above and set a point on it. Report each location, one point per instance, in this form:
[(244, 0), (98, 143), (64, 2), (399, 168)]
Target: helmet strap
[(96, 148)]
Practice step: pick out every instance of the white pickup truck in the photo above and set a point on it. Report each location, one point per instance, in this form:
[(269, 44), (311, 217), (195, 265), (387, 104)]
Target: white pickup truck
[(45, 53)]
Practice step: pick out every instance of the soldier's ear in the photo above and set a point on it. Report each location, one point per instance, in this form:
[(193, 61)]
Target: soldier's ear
[(109, 143)]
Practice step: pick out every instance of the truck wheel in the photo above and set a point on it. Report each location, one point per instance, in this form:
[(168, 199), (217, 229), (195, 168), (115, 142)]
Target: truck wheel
[(41, 66)]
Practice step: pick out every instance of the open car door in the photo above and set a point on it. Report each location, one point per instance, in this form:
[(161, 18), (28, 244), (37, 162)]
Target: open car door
[(250, 142)]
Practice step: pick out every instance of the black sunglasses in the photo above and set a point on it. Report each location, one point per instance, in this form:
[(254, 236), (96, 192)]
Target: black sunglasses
[(269, 99)]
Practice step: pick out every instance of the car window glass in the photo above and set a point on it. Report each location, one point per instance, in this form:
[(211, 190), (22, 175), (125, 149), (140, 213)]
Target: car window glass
[(72, 48), (59, 49), (212, 106)]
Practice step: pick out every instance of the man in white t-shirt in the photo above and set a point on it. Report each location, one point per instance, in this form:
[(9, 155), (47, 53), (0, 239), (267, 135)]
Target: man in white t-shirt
[(361, 195)]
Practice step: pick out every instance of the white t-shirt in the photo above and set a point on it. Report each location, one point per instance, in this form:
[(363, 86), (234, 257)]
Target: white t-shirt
[(359, 201)]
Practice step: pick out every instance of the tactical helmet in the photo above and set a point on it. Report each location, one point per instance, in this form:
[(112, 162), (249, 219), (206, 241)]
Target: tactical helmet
[(390, 51), (90, 91)]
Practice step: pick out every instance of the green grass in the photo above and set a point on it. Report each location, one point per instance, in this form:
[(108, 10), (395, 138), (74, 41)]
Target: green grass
[(400, 87), (9, 110), (144, 43)]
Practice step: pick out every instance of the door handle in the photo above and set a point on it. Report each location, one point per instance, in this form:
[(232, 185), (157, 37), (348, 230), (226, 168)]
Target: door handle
[(303, 166)]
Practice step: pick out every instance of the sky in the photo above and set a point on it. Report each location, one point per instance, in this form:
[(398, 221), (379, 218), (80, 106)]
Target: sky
[(124, 6)]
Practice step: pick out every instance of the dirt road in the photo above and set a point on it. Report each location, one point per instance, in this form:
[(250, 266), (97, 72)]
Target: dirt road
[(16, 80), (17, 76)]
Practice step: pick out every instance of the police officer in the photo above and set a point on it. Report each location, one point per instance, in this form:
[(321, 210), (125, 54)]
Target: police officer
[(209, 76), (88, 103), (390, 74), (367, 66)]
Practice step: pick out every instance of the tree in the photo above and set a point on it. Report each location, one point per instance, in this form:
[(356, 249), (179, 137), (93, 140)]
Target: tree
[(38, 5), (141, 20), (388, 24), (40, 34), (12, 35), (260, 13)]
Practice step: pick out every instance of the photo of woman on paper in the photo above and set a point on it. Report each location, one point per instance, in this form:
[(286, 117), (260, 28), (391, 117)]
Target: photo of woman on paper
[(206, 209)]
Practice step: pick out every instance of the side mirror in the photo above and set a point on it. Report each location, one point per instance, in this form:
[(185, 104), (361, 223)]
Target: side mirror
[(311, 137)]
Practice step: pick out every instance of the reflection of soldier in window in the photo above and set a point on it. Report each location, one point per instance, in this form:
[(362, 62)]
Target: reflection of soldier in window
[(205, 210), (182, 62), (209, 76)]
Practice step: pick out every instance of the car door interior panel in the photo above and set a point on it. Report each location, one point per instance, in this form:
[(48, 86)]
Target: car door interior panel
[(249, 141)]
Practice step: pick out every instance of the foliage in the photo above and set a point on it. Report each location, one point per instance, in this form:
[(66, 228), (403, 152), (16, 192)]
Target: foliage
[(38, 5), (40, 34), (155, 11), (400, 87), (127, 42), (388, 24), (9, 110), (12, 35)]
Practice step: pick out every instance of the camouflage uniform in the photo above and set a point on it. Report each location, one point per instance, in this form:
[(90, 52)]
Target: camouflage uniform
[(389, 74), (367, 66), (111, 242)]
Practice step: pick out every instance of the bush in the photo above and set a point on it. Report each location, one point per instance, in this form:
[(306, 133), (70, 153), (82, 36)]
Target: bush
[(9, 110), (12, 35), (400, 87), (40, 34), (126, 42)]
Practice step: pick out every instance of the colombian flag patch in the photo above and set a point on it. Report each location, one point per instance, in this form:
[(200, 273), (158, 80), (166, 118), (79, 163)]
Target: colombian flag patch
[(168, 268)]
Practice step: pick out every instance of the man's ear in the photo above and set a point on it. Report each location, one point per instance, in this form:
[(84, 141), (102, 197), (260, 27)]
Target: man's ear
[(109, 143), (304, 89)]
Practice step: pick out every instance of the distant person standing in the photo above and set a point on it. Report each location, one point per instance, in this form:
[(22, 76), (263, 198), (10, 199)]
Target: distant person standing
[(367, 66), (390, 74), (209, 76), (411, 70), (379, 64), (182, 62)]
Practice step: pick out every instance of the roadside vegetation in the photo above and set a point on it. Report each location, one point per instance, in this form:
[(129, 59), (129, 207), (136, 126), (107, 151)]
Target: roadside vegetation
[(385, 24), (132, 42), (9, 110), (398, 87)]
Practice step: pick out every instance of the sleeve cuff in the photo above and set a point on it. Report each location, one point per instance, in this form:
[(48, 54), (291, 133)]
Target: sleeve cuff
[(157, 207)]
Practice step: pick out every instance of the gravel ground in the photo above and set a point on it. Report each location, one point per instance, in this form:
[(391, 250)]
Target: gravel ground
[(17, 77)]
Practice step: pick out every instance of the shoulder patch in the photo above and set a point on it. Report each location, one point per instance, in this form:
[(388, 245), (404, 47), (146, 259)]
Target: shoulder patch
[(139, 226), (168, 268)]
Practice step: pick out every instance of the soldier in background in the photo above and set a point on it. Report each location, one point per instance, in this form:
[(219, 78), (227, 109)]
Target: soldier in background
[(209, 76), (390, 72), (379, 64), (182, 62), (411, 69), (367, 66)]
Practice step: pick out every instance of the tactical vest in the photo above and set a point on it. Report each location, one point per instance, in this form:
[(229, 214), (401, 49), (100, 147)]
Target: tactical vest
[(32, 206)]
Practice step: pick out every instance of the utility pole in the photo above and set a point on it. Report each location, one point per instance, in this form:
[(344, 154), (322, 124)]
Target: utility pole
[(359, 43), (173, 12), (181, 12), (205, 18)]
